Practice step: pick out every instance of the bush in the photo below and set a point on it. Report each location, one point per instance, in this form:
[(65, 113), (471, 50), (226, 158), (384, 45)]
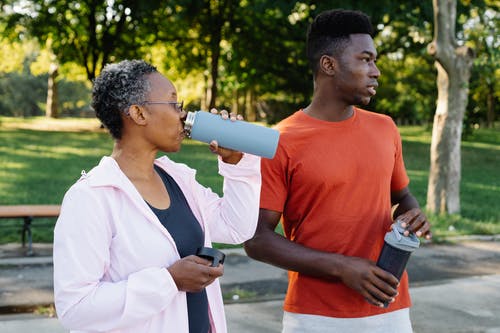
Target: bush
[(21, 95), (25, 95)]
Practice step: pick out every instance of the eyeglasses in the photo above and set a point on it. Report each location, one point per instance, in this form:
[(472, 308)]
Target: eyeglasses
[(179, 106)]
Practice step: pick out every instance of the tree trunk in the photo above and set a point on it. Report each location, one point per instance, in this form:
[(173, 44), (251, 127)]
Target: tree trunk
[(206, 93), (250, 106), (453, 65), (51, 106), (490, 117), (235, 108), (214, 66)]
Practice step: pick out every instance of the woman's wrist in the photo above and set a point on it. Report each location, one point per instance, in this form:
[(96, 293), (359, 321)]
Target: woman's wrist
[(232, 158)]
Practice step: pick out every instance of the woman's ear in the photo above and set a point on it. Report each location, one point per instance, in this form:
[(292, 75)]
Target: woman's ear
[(327, 65), (137, 115)]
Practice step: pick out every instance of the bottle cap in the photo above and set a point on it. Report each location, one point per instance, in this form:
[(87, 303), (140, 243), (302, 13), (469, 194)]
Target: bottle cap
[(397, 239), (189, 122)]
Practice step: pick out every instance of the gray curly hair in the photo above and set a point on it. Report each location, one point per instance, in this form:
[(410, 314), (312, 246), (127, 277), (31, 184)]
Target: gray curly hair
[(119, 86)]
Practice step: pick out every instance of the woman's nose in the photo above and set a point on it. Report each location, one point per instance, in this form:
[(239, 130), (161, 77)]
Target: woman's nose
[(183, 115)]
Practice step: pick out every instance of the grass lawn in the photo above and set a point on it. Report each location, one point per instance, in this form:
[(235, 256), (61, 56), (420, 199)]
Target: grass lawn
[(480, 183), (41, 158)]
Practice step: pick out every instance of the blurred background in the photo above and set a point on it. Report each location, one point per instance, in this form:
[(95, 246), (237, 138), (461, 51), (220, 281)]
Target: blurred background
[(246, 56)]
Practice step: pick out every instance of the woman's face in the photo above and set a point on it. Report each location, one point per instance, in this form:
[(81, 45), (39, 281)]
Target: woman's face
[(165, 127)]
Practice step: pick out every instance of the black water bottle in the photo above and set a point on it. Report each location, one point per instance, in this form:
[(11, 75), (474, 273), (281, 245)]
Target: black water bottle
[(397, 250), (215, 256)]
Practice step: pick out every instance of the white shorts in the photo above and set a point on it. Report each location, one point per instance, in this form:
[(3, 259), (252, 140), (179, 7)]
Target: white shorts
[(391, 322)]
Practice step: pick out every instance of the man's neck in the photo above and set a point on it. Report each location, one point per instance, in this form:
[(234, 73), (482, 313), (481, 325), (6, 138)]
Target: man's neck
[(329, 110)]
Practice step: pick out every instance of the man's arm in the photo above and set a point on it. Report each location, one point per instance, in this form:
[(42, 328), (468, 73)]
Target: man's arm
[(373, 283), (409, 212)]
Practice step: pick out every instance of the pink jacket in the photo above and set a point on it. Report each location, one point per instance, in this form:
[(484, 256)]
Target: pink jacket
[(111, 251)]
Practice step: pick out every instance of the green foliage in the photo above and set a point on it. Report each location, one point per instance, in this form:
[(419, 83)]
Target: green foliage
[(74, 97), (89, 32), (407, 91), (251, 54), (21, 95), (24, 95), (482, 32), (14, 54), (285, 70), (456, 225), (480, 184)]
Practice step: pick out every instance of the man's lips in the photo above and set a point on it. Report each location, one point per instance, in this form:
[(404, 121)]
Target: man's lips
[(372, 89)]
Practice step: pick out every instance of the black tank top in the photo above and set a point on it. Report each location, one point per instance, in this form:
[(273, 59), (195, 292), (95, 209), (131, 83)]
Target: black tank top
[(186, 231)]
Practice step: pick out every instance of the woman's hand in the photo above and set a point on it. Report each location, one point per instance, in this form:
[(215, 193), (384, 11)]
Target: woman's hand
[(193, 273), (228, 155)]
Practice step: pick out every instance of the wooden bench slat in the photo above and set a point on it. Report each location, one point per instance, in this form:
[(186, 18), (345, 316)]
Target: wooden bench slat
[(29, 210), (28, 213)]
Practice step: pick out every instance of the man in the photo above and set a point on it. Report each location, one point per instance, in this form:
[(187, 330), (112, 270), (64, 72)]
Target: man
[(337, 175)]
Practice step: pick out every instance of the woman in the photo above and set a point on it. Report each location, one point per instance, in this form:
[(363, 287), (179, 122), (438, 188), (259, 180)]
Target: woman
[(126, 238)]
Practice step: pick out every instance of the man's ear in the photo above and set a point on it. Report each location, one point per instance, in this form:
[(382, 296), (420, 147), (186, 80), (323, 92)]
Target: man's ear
[(137, 115), (327, 65)]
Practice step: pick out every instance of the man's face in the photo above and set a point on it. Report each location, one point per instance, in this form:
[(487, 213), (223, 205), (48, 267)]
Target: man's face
[(357, 74)]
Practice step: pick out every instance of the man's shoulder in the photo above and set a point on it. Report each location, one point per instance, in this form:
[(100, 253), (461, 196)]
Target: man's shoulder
[(291, 120), (373, 114), (373, 118), (295, 125)]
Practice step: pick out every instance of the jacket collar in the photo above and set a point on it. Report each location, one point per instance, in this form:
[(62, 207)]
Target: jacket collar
[(108, 172)]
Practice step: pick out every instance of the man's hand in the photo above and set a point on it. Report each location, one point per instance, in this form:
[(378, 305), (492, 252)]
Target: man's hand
[(415, 221), (373, 283)]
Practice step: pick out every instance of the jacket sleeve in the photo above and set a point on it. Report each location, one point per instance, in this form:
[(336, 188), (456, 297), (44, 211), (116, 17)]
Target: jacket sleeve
[(85, 297), (232, 219)]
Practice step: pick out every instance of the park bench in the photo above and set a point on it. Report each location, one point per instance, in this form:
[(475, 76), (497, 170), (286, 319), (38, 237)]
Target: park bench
[(28, 213)]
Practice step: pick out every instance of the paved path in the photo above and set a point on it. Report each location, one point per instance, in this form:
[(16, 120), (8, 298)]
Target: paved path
[(467, 305), (455, 288)]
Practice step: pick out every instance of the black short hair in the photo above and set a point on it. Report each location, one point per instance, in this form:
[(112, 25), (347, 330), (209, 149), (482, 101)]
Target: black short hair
[(329, 33), (118, 87)]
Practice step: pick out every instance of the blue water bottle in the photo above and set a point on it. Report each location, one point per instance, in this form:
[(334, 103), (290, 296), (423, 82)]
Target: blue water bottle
[(237, 135)]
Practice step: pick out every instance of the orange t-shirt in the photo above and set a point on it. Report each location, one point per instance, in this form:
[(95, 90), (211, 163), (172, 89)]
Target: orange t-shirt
[(332, 182)]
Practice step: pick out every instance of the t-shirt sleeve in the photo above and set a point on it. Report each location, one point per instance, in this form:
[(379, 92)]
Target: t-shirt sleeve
[(274, 181), (399, 178)]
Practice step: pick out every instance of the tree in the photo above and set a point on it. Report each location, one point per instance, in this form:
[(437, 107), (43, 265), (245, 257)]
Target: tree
[(483, 31), (267, 63), (89, 32), (51, 110), (247, 55), (453, 63), (210, 25)]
